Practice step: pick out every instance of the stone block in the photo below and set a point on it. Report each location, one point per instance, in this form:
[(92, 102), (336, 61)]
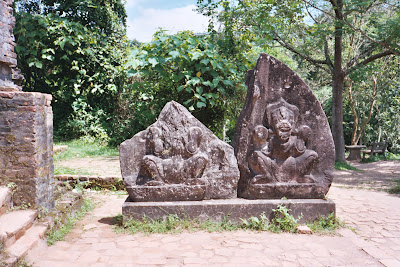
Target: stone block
[(26, 147), (283, 143), (8, 61), (218, 209), (177, 158)]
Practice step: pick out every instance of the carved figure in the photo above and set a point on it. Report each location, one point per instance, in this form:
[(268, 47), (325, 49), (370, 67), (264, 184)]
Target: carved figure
[(178, 159), (182, 162), (280, 154)]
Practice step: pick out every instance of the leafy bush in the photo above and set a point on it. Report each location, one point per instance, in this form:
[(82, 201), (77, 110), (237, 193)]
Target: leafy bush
[(190, 70), (283, 221), (255, 223), (78, 59)]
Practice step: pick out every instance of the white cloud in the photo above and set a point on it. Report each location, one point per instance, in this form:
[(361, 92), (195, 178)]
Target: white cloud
[(133, 3), (143, 27)]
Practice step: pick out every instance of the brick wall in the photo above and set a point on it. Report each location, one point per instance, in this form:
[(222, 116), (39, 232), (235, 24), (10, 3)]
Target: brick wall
[(9, 74), (26, 145), (26, 128)]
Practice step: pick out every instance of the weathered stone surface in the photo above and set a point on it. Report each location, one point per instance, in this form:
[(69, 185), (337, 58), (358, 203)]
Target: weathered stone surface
[(10, 76), (15, 223), (303, 229), (282, 142), (31, 237), (26, 144), (236, 209), (177, 158)]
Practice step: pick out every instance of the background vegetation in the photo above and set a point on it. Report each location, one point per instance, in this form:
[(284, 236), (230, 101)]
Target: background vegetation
[(110, 88)]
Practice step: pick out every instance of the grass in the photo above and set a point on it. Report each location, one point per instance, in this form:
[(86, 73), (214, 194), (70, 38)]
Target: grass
[(326, 225), (73, 171), (59, 234), (172, 224), (388, 156), (283, 221), (395, 189), (82, 148), (344, 166)]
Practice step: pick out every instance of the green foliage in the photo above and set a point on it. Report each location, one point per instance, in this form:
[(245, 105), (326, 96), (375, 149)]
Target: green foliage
[(66, 170), (325, 225), (329, 40), (344, 166), (190, 70), (375, 158), (59, 234), (84, 147), (75, 51), (172, 224), (255, 223), (395, 189), (283, 221)]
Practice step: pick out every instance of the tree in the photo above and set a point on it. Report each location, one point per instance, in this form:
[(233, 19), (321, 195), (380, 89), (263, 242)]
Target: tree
[(385, 119), (321, 33), (74, 50), (191, 70), (363, 87)]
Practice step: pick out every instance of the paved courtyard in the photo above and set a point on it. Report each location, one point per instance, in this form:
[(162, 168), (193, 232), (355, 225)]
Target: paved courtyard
[(375, 241)]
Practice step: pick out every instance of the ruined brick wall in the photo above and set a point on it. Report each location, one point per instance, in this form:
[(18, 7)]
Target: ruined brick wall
[(8, 59), (26, 145), (26, 128)]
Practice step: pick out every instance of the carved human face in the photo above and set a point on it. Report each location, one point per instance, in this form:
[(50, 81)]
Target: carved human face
[(283, 123)]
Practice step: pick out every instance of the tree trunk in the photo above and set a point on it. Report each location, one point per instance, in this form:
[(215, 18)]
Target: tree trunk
[(337, 116), (352, 103), (337, 87)]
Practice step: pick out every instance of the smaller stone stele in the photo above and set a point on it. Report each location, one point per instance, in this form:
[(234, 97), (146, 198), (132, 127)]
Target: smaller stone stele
[(282, 142), (178, 159)]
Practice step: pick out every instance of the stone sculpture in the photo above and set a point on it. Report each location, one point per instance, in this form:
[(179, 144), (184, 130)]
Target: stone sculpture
[(282, 141), (178, 158)]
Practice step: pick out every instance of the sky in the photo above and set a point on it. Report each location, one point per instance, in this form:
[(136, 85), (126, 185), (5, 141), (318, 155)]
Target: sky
[(146, 16)]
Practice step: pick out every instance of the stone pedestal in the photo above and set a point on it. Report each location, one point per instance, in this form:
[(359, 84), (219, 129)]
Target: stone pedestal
[(26, 147), (216, 210)]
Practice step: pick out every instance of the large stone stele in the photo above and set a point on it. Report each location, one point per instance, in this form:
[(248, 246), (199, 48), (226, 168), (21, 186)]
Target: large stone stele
[(282, 141), (177, 159)]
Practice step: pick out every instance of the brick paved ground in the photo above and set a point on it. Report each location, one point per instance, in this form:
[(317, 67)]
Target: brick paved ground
[(375, 216)]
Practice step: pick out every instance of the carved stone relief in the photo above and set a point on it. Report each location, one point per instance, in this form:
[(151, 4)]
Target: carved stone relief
[(280, 153), (178, 158), (282, 141)]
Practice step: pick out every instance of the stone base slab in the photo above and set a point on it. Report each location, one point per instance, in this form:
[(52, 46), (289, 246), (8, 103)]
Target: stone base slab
[(283, 190), (177, 192), (216, 210)]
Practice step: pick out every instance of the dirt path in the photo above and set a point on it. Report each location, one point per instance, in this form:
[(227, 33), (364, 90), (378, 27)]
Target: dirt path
[(101, 166), (375, 175)]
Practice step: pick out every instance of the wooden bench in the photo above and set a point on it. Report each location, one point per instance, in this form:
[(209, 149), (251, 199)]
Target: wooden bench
[(375, 148)]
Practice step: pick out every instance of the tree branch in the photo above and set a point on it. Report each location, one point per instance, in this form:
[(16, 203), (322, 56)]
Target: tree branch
[(327, 57), (339, 16), (359, 56), (311, 16), (316, 62), (371, 107), (336, 9), (368, 60), (354, 111)]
